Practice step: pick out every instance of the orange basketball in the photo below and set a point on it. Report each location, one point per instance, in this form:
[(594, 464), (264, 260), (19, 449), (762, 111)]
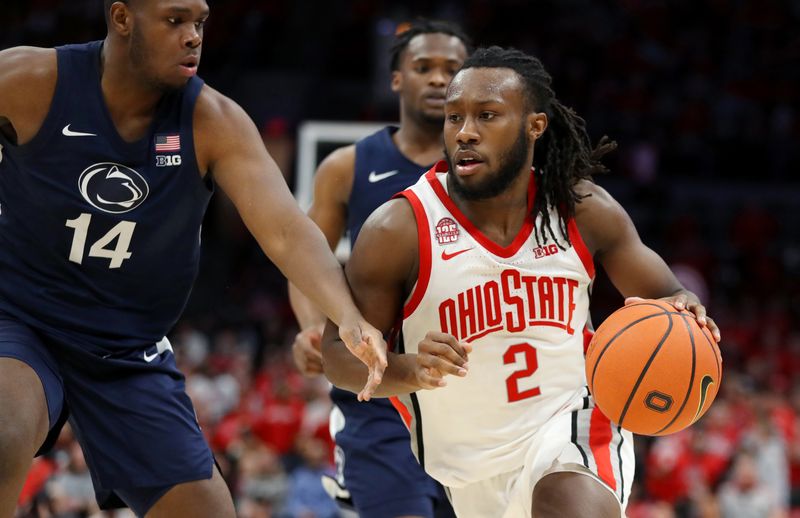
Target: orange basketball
[(652, 369)]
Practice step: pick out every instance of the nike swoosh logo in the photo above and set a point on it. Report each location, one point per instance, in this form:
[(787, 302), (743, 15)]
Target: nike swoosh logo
[(447, 257), (705, 383), (150, 357), (69, 133), (377, 177)]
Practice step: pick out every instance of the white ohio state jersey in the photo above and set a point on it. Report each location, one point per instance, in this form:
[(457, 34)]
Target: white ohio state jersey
[(523, 307)]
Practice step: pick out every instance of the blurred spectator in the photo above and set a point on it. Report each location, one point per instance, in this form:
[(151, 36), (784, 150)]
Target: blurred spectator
[(744, 496)]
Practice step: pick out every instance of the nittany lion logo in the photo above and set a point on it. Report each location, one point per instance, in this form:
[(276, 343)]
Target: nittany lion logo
[(112, 187)]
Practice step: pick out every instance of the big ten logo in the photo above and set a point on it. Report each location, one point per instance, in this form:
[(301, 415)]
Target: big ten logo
[(168, 160), (446, 231), (544, 251)]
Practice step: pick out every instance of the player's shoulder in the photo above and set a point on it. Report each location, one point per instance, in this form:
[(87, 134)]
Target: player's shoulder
[(594, 200), (215, 109), (341, 161), (27, 67), (393, 221), (31, 60), (600, 218)]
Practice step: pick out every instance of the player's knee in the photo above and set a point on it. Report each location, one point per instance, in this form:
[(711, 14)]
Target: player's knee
[(572, 495), (17, 448)]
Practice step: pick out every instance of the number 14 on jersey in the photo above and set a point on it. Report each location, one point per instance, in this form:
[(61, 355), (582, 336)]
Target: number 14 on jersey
[(122, 232)]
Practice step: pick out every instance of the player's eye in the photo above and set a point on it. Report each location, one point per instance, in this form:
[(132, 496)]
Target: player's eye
[(453, 117), (487, 115), (174, 21)]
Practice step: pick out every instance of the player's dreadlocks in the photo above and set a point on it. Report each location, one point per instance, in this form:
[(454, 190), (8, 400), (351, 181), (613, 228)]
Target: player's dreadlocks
[(564, 153), (407, 31)]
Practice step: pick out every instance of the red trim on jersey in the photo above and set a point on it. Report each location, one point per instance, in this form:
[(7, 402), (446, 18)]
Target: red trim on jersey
[(424, 235), (599, 442), (587, 338), (402, 410), (580, 247), (488, 244)]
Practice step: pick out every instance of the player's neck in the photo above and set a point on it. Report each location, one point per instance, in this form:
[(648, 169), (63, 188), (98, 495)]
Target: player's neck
[(131, 102), (421, 143), (501, 217)]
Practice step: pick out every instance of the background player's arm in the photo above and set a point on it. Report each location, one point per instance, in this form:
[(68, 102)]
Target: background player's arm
[(634, 269), (333, 183), (230, 148), (27, 84), (380, 282)]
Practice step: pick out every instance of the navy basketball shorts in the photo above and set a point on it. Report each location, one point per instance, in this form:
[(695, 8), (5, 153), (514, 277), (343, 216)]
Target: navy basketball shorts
[(374, 458), (129, 411)]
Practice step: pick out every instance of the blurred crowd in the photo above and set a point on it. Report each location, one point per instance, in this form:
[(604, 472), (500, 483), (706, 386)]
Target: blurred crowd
[(702, 97)]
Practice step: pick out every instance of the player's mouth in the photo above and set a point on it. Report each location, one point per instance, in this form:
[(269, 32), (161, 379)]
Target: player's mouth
[(467, 162), (188, 66), (435, 100)]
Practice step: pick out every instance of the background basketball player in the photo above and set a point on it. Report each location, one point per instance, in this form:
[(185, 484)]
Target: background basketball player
[(374, 461), (514, 433), (109, 155)]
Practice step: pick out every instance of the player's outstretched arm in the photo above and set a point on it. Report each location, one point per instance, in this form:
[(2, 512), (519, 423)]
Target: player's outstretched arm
[(27, 84), (333, 183), (230, 148), (634, 269), (381, 272)]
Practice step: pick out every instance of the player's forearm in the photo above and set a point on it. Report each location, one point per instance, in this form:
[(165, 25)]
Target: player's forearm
[(347, 372), (304, 310), (306, 260)]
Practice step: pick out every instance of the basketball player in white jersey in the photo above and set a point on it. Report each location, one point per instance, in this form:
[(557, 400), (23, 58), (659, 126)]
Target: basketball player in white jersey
[(482, 271)]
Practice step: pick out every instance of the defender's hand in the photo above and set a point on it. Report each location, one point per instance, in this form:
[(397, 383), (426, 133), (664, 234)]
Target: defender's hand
[(367, 344), (306, 350)]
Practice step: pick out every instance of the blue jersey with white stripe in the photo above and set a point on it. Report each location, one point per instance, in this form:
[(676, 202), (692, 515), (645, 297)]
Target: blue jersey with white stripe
[(99, 237)]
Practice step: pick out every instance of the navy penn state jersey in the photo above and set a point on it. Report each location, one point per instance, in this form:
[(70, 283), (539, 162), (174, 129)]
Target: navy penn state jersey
[(99, 237), (381, 171)]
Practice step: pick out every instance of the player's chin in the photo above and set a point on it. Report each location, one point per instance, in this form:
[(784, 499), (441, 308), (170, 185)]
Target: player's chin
[(433, 115)]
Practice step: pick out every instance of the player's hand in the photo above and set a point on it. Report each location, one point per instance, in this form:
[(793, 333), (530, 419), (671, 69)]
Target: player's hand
[(440, 354), (367, 344), (688, 301), (306, 350)]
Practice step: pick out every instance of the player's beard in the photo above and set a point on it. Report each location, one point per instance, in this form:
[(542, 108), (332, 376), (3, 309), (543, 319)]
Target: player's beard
[(512, 164)]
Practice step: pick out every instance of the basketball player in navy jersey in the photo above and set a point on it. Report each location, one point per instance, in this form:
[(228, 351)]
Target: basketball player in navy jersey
[(489, 271), (374, 461), (108, 156)]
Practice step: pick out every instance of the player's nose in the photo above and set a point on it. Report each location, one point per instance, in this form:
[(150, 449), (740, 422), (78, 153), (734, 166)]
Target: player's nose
[(192, 38)]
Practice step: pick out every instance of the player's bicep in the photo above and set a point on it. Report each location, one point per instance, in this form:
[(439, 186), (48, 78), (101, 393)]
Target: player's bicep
[(333, 182), (235, 155), (383, 262)]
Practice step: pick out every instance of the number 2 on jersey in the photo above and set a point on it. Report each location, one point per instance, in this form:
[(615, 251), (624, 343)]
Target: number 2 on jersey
[(531, 363), (122, 232)]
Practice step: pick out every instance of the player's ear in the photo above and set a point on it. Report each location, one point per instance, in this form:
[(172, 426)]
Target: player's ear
[(536, 124), (397, 81), (120, 19)]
